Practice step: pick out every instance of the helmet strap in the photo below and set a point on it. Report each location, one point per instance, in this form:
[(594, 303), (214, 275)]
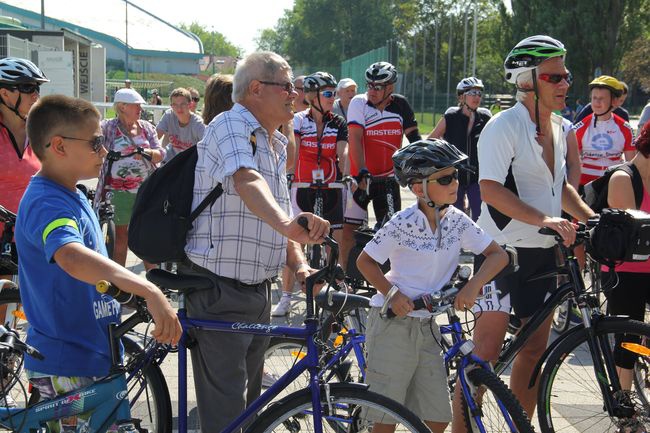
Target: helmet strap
[(535, 88), (384, 98), (318, 108), (15, 107), (436, 209)]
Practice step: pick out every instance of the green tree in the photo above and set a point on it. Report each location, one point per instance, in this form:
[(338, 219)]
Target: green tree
[(214, 43), (597, 33)]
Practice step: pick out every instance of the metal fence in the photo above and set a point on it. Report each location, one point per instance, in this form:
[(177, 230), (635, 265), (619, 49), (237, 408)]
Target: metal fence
[(11, 46), (355, 67)]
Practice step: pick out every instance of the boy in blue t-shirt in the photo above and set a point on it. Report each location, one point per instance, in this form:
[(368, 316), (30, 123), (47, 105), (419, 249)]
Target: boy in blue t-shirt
[(62, 255), (423, 244)]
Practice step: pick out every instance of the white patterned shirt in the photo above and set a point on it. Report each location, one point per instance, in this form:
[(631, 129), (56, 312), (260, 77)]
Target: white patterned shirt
[(417, 265), (227, 238)]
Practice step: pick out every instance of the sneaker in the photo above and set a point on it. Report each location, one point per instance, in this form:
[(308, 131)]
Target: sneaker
[(283, 307), (268, 379)]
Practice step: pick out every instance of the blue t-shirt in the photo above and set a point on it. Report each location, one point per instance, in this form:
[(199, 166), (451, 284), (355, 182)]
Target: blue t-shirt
[(68, 318)]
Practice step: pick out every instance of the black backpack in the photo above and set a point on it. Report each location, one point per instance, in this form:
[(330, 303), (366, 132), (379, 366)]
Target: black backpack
[(595, 194), (162, 213)]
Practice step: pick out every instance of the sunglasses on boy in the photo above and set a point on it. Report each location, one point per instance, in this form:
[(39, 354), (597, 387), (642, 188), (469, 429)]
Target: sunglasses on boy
[(556, 78), (96, 142), (27, 88), (328, 93), (444, 180)]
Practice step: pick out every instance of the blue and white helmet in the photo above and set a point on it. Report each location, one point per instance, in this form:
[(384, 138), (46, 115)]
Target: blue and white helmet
[(14, 70)]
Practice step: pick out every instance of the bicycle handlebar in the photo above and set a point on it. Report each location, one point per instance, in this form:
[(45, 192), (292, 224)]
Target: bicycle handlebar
[(10, 341), (114, 155), (6, 216), (319, 184)]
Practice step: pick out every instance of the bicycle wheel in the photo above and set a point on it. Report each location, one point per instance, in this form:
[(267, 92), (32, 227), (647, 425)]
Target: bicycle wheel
[(561, 316), (499, 410), (569, 393), (108, 231), (344, 409), (284, 353), (149, 399)]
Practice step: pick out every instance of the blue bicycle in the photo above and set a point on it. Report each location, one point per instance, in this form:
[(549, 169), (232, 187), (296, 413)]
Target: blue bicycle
[(321, 407)]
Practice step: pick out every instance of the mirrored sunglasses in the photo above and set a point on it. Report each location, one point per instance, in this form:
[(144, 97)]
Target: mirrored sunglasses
[(474, 93), (556, 78), (328, 93)]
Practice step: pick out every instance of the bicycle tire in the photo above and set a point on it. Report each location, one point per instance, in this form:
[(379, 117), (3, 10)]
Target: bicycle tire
[(573, 391), (152, 418), (344, 411), (108, 230), (490, 413)]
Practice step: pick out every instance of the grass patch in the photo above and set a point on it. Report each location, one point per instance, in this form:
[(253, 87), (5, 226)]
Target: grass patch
[(426, 123)]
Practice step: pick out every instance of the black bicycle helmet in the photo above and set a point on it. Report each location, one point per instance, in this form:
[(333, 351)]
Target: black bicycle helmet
[(318, 81), (14, 70), (381, 73), (422, 158)]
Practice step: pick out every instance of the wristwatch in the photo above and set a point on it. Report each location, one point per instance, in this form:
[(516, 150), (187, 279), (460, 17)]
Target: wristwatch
[(391, 293)]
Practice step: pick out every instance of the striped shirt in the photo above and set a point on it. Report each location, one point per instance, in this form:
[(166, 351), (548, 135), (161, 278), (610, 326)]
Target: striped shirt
[(227, 238)]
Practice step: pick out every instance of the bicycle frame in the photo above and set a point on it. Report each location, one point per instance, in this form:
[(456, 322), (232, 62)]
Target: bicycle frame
[(107, 399), (603, 362)]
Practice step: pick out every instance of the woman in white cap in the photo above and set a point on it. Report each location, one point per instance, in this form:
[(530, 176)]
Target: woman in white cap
[(124, 134), (345, 90)]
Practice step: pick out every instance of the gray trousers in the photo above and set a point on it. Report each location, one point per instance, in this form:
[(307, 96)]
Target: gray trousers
[(227, 366)]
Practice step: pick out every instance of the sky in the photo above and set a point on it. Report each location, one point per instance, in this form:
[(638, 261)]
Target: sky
[(238, 20)]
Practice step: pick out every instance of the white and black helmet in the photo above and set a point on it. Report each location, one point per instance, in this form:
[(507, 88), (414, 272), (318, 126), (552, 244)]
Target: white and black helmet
[(422, 158), (468, 83), (14, 70), (317, 81), (381, 73), (529, 53)]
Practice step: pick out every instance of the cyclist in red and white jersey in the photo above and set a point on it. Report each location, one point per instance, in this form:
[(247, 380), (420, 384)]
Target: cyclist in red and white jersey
[(322, 146), (603, 137), (377, 122)]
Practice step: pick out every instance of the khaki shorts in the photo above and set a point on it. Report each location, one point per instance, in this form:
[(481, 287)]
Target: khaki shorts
[(405, 364)]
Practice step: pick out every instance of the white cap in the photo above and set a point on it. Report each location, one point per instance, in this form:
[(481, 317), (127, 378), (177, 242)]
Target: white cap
[(128, 96), (345, 83)]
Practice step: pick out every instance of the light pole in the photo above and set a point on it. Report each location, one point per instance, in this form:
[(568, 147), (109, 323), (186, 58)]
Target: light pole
[(214, 49), (126, 42)]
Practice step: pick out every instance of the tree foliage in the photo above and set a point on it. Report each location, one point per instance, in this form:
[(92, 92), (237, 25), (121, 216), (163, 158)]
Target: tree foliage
[(214, 43)]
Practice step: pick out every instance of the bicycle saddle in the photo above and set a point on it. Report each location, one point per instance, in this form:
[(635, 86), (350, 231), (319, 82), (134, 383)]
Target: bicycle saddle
[(341, 302), (171, 281)]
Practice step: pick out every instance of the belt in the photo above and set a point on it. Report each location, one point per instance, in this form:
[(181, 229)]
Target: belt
[(190, 264)]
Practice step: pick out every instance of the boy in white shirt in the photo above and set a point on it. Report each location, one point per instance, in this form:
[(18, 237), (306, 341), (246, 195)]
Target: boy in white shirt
[(423, 244)]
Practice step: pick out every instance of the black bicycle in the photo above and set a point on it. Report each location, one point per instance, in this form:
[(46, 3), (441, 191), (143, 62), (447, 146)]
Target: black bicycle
[(579, 383), (8, 256)]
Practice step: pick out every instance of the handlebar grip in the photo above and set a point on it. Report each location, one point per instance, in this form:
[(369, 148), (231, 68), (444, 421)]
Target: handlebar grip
[(418, 304), (124, 298), (303, 222)]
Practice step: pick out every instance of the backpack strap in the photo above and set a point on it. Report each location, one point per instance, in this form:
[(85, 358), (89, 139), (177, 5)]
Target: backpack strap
[(217, 190)]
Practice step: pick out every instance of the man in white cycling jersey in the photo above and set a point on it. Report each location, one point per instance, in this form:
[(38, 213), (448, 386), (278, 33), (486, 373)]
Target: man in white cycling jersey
[(522, 165)]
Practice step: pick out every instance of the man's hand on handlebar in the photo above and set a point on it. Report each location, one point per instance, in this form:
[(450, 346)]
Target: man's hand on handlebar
[(363, 179), (301, 275), (563, 227), (317, 229), (466, 298)]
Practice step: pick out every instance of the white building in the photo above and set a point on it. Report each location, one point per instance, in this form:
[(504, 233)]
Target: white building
[(154, 45)]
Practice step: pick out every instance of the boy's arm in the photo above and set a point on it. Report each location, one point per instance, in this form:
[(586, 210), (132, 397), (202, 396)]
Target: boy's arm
[(88, 266), (495, 260), (369, 268)]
